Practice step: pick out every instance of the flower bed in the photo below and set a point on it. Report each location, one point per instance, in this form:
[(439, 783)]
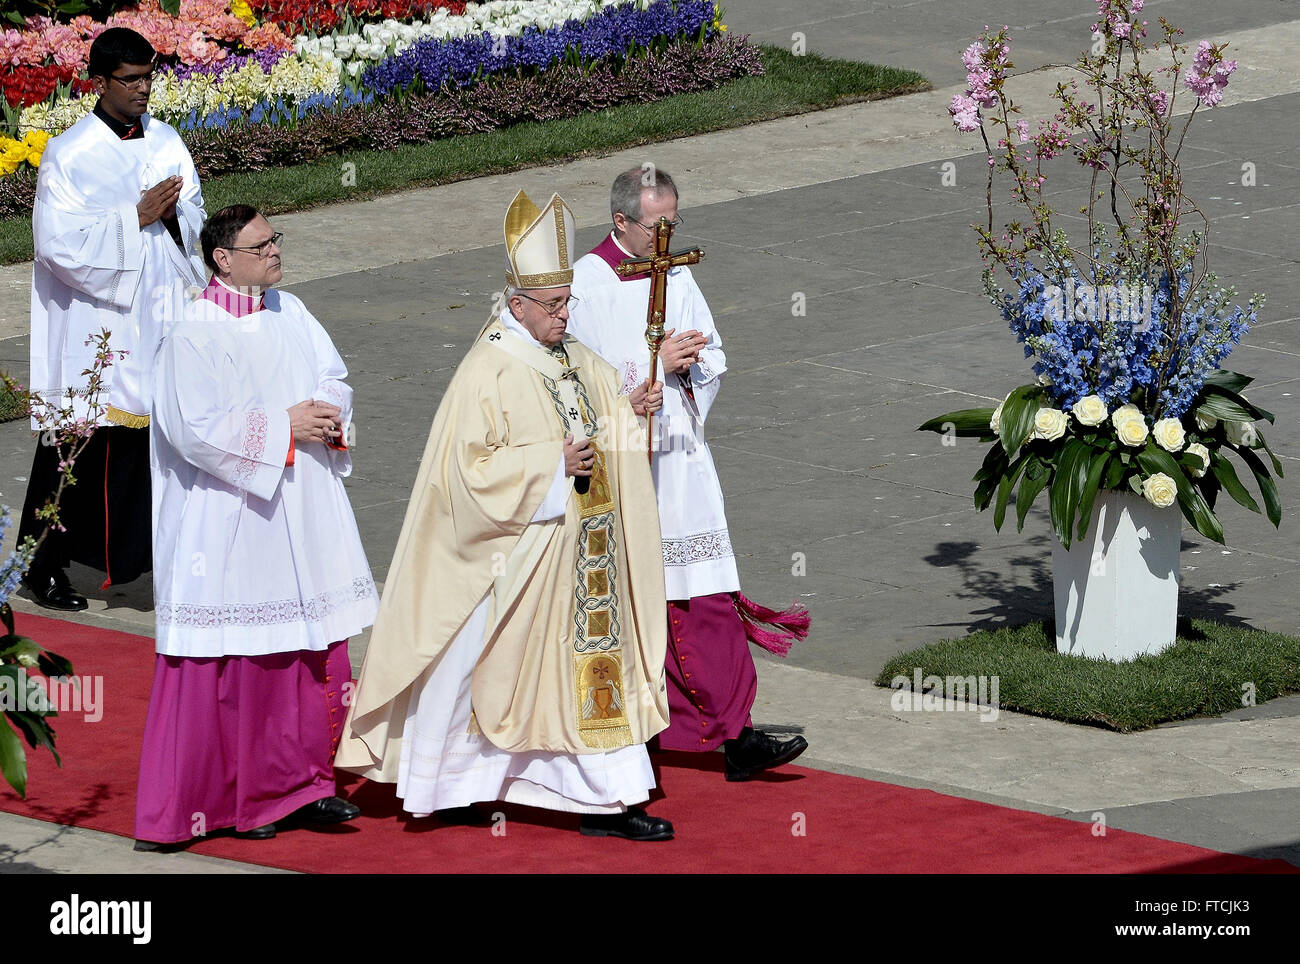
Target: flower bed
[(293, 80)]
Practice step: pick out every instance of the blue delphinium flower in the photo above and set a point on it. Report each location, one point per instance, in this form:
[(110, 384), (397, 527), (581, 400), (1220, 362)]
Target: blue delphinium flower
[(1115, 339)]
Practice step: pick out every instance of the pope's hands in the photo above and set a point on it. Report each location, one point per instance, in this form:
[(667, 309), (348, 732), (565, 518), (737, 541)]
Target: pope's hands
[(678, 353), (313, 421), (578, 456), (160, 200), (647, 399)]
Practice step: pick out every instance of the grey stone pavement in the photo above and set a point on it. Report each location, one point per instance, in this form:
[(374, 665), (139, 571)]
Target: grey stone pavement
[(814, 434)]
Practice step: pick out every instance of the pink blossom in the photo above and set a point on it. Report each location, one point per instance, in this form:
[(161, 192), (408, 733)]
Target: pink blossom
[(965, 114), (1208, 74), (1159, 102), (973, 56), (1022, 128)]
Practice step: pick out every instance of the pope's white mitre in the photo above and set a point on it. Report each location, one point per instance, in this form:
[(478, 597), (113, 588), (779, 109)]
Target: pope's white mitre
[(538, 242)]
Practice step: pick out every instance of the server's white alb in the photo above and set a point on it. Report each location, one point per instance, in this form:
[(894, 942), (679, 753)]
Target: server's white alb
[(610, 319), (251, 556), (96, 268)]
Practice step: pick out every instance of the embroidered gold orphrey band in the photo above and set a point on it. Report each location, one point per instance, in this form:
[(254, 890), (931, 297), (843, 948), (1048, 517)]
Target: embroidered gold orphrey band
[(119, 416), (600, 695)]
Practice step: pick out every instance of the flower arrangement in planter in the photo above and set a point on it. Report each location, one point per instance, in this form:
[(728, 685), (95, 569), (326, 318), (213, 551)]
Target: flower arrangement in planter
[(1127, 327)]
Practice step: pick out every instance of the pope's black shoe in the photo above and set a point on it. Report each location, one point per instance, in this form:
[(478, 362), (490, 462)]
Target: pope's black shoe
[(633, 824), (51, 589), (327, 810), (754, 750), (466, 816)]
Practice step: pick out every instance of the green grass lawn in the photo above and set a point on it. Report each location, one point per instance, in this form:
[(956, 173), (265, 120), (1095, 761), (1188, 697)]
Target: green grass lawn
[(792, 85), (1206, 672)]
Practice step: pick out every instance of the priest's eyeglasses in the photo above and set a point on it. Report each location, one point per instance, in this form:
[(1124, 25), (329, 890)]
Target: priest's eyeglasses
[(136, 82), (264, 248), (676, 223), (552, 308)]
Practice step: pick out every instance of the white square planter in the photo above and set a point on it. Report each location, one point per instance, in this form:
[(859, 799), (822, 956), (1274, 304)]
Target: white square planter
[(1117, 589)]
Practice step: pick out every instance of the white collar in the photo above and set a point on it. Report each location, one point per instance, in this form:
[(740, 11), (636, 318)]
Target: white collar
[(516, 327), (252, 291), (616, 241)]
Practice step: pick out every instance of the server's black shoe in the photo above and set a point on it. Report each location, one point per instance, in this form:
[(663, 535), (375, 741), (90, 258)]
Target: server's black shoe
[(266, 832), (51, 589), (754, 750), (633, 824)]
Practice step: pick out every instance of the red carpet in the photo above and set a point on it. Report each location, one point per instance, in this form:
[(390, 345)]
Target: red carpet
[(848, 824)]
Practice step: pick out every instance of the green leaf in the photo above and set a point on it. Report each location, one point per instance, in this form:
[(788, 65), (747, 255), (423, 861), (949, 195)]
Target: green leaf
[(1277, 466), (1222, 403), (1232, 381), (966, 423), (1267, 487), (1018, 413), (37, 731), (1036, 477), (1210, 489), (1227, 475), (1090, 486), (1004, 491), (13, 760), (171, 6), (1115, 473), (1071, 471), (52, 664), (1195, 509)]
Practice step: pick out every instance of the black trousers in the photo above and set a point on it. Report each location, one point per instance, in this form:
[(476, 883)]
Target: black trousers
[(108, 513)]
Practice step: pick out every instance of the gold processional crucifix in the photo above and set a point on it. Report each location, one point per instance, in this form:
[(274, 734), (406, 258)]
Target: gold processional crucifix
[(657, 266)]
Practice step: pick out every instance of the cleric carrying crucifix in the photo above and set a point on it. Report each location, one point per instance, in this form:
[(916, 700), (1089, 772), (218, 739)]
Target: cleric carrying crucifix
[(712, 680)]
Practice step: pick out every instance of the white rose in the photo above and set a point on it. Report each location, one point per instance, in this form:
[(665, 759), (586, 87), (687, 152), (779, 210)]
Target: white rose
[(27, 654), (1169, 434), (1241, 433), (326, 42), (1090, 410), (1133, 431), (1205, 422), (1196, 448), (995, 423), (1123, 414), (1050, 424), (1160, 490)]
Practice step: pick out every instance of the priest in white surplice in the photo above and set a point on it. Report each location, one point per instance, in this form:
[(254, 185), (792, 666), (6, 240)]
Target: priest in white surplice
[(712, 679), (518, 652), (259, 574), (116, 227)]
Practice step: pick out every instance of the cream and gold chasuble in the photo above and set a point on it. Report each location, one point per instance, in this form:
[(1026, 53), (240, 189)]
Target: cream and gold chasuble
[(574, 654)]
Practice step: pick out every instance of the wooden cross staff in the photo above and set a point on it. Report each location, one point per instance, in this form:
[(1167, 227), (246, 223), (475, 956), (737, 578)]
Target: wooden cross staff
[(657, 266)]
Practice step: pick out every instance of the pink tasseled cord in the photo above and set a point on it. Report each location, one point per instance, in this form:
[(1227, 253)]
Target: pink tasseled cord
[(776, 631)]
